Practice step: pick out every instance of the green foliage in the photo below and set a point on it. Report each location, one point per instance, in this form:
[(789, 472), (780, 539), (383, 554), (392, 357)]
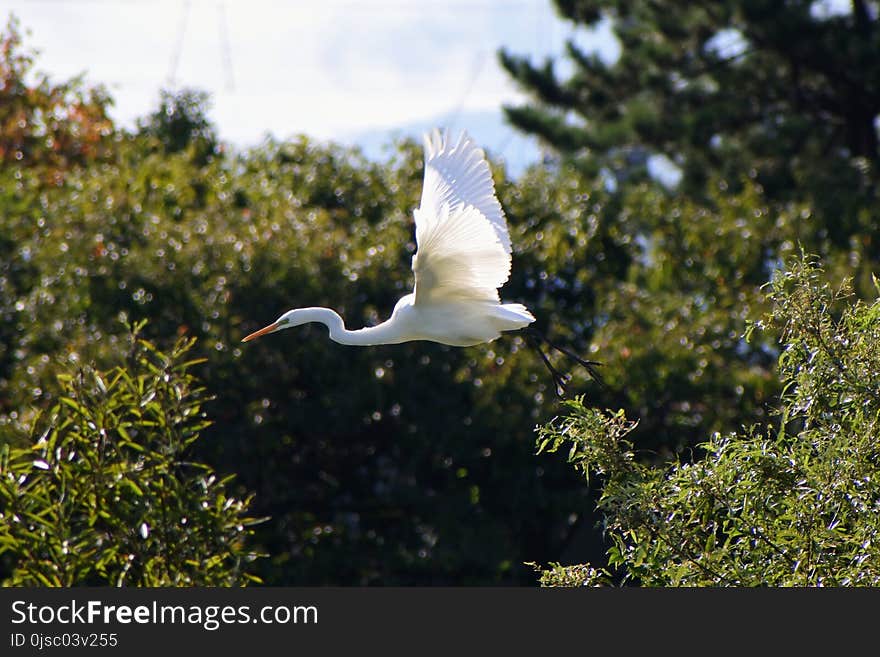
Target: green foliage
[(670, 329), (105, 493), (571, 576), (792, 504), (402, 464), (780, 93), (180, 123), (43, 124), (349, 450)]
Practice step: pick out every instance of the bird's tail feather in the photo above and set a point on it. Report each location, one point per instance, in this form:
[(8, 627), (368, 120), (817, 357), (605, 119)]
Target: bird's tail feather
[(514, 315)]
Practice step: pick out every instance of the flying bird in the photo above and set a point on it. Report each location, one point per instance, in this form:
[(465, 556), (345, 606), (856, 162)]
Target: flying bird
[(462, 259)]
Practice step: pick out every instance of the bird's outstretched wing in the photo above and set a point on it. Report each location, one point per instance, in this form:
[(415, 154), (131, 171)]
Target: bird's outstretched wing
[(463, 243)]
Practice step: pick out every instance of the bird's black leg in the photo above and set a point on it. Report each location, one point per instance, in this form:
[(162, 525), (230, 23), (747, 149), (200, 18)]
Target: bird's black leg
[(589, 365), (559, 381)]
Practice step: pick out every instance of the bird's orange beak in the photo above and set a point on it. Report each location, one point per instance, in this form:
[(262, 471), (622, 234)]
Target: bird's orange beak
[(263, 331)]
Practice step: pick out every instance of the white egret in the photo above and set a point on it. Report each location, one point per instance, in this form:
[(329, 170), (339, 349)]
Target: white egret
[(462, 259)]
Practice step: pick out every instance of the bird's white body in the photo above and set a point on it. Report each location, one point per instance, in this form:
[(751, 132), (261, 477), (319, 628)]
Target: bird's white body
[(463, 258), (460, 324)]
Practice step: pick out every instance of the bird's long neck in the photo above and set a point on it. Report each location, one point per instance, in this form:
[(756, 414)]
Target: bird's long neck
[(372, 335)]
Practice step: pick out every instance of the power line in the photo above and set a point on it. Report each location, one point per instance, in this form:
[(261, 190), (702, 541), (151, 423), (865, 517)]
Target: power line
[(223, 35), (225, 50), (178, 44), (476, 69)]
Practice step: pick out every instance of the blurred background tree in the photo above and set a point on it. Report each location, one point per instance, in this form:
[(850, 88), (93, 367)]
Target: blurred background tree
[(769, 114), (180, 123), (414, 463), (43, 123), (784, 94)]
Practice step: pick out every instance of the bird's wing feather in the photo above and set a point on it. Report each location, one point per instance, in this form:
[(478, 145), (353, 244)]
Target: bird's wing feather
[(463, 243)]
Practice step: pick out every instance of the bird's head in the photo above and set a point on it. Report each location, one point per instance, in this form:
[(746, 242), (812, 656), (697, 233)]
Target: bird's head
[(287, 320), (296, 317)]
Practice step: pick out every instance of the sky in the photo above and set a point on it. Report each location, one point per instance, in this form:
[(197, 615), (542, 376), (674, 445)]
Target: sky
[(352, 71)]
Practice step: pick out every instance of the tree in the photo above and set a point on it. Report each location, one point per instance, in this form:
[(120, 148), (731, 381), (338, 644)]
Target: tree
[(402, 464), (180, 123), (787, 94), (54, 126), (789, 504), (395, 465), (105, 493)]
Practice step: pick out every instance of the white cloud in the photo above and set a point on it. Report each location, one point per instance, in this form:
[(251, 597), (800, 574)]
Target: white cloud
[(327, 68)]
